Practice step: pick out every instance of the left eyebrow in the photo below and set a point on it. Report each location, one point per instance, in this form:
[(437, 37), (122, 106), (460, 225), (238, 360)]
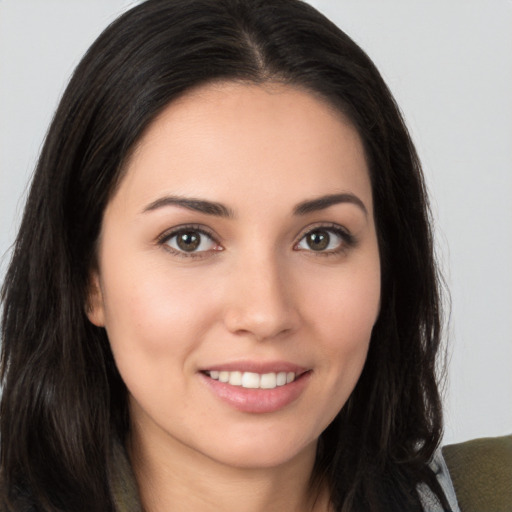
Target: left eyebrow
[(323, 202)]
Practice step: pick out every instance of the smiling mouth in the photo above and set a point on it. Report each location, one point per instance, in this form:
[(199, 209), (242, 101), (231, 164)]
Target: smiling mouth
[(253, 388), (252, 380)]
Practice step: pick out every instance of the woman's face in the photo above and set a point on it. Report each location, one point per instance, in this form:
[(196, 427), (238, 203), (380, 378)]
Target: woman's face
[(238, 273)]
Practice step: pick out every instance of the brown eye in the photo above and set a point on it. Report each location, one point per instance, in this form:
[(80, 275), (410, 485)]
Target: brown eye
[(328, 240), (189, 241), (318, 240)]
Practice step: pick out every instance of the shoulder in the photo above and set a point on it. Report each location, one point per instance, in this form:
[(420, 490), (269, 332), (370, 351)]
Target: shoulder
[(481, 470)]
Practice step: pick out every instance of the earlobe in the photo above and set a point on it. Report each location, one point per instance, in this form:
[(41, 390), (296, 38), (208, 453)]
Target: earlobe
[(94, 306)]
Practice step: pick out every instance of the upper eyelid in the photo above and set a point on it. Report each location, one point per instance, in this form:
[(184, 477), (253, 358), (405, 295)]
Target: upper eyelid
[(323, 225), (169, 233)]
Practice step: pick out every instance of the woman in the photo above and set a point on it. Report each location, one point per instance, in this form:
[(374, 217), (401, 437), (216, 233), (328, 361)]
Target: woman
[(223, 293)]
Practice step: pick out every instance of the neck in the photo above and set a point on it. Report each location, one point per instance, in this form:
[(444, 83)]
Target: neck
[(174, 476)]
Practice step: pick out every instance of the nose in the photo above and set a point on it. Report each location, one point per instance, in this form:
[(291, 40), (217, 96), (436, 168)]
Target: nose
[(260, 300)]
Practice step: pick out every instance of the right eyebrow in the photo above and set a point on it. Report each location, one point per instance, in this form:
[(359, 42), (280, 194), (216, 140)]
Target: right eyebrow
[(190, 203)]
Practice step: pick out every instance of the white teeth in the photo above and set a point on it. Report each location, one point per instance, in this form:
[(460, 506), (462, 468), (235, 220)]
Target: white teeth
[(235, 378), (250, 380), (253, 380), (280, 378), (268, 381)]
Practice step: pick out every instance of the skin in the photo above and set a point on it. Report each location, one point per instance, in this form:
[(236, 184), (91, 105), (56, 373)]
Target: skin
[(254, 291)]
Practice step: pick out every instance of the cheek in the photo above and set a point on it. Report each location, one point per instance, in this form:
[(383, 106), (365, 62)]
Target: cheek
[(154, 321), (347, 304), (153, 313), (343, 315)]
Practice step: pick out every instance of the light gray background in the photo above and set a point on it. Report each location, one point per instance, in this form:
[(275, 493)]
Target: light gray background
[(449, 64)]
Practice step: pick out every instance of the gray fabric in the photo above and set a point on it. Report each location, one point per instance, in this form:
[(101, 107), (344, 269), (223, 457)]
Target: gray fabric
[(428, 498)]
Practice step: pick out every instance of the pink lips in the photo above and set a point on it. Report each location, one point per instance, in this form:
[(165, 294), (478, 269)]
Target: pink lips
[(257, 400)]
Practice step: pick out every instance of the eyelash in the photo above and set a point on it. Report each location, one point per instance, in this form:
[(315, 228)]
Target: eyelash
[(348, 240)]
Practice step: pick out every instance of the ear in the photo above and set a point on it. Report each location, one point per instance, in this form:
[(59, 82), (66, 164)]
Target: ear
[(95, 307)]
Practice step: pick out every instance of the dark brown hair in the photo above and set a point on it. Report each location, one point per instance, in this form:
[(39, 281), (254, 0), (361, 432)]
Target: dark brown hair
[(63, 399)]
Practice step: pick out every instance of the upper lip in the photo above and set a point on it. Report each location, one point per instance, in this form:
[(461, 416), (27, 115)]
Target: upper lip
[(257, 367)]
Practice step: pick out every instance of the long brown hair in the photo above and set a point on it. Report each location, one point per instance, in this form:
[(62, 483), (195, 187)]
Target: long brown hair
[(63, 399)]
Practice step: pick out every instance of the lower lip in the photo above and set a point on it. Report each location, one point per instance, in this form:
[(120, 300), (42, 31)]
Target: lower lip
[(258, 400)]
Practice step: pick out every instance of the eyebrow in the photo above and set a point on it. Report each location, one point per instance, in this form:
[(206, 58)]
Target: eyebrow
[(190, 203), (323, 202), (220, 210)]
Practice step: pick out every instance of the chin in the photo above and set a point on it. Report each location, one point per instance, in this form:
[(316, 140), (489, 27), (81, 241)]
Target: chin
[(264, 452)]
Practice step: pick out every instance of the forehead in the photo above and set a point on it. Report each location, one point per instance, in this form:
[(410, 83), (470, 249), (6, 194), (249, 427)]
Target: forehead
[(250, 140)]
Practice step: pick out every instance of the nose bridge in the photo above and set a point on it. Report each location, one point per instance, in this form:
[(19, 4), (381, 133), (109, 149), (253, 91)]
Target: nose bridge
[(261, 301)]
